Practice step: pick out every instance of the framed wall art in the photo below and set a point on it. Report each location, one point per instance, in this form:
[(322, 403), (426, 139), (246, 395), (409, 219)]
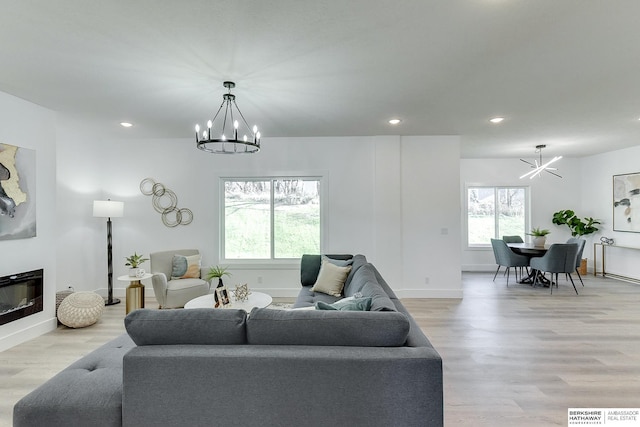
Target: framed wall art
[(626, 202), (17, 192)]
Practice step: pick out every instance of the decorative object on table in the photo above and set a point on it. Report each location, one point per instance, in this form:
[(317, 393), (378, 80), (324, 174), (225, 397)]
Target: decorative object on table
[(606, 241), (577, 226), (17, 192), (133, 262), (241, 293), (81, 309), (109, 209), (539, 166), (539, 236), (165, 202), (626, 195), (218, 272), (215, 140), (222, 297)]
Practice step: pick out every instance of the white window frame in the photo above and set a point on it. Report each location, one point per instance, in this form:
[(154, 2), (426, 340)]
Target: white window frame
[(496, 188), (269, 262)]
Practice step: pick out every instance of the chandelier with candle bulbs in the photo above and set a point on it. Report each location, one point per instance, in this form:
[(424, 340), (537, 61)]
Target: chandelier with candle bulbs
[(230, 134)]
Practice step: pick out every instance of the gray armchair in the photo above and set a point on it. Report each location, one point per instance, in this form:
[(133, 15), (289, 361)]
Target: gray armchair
[(174, 293), (507, 258), (560, 258)]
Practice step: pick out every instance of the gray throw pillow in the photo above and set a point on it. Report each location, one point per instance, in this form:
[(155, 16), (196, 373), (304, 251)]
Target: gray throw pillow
[(347, 304), (188, 326)]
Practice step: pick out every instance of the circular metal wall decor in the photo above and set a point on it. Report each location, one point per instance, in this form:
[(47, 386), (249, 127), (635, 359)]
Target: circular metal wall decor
[(165, 202)]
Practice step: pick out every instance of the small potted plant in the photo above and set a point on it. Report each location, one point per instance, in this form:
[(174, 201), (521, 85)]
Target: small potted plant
[(539, 236), (133, 262), (578, 228), (218, 272)]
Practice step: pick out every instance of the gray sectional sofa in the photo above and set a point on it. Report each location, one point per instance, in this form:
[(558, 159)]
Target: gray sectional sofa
[(266, 368)]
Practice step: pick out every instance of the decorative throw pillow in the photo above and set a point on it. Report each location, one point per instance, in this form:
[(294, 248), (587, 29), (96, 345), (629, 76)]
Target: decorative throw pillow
[(331, 278), (185, 267), (347, 304)]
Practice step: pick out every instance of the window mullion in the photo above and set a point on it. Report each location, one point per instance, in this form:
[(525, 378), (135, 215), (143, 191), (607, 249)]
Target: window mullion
[(272, 215)]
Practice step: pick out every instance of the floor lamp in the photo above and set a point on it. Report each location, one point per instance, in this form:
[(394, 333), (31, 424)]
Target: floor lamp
[(109, 209)]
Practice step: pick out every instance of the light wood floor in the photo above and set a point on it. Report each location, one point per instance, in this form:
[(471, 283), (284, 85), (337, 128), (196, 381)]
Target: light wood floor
[(513, 356)]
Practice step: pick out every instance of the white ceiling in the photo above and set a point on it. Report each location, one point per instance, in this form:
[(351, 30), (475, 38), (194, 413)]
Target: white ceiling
[(563, 72)]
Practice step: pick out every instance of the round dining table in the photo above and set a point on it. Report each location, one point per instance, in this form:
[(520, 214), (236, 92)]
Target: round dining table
[(529, 250)]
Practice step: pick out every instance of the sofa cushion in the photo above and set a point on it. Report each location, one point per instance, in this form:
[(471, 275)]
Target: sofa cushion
[(87, 393), (379, 299), (364, 274), (194, 326), (185, 267), (331, 278), (346, 304), (326, 328)]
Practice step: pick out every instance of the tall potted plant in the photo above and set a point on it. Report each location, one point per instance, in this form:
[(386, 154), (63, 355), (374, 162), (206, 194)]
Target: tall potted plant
[(579, 227)]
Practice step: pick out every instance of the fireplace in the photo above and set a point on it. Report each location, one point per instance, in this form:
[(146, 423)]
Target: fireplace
[(20, 295)]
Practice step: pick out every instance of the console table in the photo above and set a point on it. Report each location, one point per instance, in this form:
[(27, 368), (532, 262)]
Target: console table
[(602, 253)]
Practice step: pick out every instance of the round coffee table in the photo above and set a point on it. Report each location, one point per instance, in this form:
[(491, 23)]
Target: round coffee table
[(256, 299)]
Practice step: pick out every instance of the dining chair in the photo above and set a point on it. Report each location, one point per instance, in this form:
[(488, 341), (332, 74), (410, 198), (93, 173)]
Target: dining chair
[(580, 243), (505, 257), (560, 258), (512, 239)]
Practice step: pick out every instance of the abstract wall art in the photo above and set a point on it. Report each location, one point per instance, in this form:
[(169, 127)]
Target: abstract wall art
[(17, 192), (626, 202)]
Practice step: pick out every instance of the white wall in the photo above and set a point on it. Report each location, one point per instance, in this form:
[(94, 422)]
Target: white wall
[(597, 201), (548, 194), (367, 204), (27, 125)]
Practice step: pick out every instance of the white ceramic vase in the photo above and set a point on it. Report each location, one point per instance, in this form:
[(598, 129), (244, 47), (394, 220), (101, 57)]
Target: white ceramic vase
[(539, 241)]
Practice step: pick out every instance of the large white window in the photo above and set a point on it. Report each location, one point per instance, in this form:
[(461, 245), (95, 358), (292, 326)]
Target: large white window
[(493, 212), (271, 218)]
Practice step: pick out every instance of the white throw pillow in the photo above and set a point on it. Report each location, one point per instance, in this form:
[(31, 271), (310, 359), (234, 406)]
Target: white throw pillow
[(331, 278)]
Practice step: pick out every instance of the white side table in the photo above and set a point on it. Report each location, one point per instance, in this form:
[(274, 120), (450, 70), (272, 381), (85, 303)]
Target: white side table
[(135, 291), (256, 299)]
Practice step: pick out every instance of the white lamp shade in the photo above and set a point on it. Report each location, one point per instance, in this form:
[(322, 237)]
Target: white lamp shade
[(108, 208)]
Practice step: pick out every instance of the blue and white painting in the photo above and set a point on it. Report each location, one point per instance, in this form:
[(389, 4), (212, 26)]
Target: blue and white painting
[(17, 192)]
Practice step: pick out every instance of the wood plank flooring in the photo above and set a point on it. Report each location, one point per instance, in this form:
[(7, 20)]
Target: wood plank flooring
[(513, 356)]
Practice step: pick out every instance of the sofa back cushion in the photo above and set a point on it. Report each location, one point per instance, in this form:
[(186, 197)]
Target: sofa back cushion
[(362, 275), (326, 328), (192, 326)]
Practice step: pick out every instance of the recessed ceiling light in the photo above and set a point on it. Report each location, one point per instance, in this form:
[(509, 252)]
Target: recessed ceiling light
[(126, 124), (496, 120), (395, 121)]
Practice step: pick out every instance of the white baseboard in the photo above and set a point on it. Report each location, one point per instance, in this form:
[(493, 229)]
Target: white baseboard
[(428, 293), (28, 333)]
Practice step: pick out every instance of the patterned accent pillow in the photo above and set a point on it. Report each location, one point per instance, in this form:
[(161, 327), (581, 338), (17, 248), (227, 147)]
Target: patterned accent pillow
[(185, 267)]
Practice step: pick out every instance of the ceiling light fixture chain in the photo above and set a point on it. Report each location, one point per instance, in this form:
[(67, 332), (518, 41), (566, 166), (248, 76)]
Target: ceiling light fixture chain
[(539, 167), (232, 145)]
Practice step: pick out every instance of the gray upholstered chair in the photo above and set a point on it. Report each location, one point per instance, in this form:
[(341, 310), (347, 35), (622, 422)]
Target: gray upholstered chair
[(174, 293), (580, 243), (512, 239), (507, 258), (560, 258)]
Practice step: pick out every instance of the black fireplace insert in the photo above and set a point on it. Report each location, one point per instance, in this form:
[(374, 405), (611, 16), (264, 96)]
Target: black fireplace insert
[(20, 295)]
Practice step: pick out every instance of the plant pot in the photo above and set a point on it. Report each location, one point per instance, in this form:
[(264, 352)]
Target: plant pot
[(583, 267), (133, 272), (539, 241)]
